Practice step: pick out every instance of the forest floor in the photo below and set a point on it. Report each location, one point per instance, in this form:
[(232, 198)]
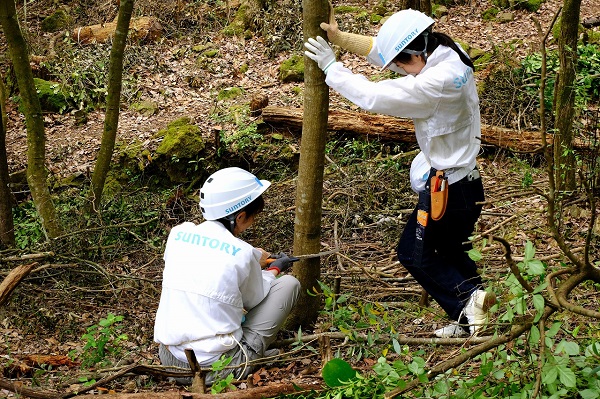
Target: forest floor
[(366, 203)]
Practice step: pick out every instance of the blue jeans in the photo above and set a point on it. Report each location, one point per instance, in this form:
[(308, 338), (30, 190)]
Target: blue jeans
[(445, 270)]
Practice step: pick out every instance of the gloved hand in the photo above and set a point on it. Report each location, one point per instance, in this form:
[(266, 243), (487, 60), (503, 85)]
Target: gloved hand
[(320, 52), (357, 44), (331, 28), (281, 263), (276, 256)]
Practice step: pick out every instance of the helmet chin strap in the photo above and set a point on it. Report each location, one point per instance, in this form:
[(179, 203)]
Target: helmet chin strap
[(231, 219)]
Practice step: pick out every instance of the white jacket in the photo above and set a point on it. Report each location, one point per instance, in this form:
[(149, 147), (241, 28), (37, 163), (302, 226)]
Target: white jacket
[(442, 101), (210, 277)]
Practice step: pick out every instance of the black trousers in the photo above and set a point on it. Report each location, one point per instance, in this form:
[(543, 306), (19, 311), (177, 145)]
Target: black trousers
[(443, 267)]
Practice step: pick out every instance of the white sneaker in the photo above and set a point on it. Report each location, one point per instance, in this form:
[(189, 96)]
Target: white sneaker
[(451, 331), (476, 309)]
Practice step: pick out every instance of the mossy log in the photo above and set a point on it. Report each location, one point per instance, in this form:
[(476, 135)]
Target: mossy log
[(142, 29), (397, 129)]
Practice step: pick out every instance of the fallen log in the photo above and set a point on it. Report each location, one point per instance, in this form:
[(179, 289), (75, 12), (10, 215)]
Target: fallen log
[(142, 29), (397, 129)]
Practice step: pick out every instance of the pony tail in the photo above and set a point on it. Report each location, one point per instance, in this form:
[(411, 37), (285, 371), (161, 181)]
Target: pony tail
[(445, 40)]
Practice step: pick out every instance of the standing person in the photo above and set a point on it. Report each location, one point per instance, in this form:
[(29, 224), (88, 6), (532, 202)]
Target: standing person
[(438, 92), (215, 298)]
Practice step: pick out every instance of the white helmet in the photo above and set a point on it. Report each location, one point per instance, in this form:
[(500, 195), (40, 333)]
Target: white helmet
[(229, 190), (398, 31)]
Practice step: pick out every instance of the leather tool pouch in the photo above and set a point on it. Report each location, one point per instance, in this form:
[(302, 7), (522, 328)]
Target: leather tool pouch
[(439, 195)]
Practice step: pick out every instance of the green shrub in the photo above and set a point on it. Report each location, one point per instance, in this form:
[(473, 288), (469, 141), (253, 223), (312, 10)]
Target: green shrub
[(101, 340)]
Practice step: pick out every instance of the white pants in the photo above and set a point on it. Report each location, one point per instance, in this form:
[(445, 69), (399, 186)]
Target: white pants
[(260, 330)]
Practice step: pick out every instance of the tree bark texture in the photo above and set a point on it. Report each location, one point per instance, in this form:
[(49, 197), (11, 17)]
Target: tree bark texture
[(564, 158), (396, 129), (111, 121), (36, 140), (421, 5), (309, 191), (7, 227), (142, 29)]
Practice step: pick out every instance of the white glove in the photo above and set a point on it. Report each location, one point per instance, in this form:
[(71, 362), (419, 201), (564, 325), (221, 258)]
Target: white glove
[(320, 52)]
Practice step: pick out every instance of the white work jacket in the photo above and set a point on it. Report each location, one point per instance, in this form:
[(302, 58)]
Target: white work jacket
[(210, 277), (442, 101)]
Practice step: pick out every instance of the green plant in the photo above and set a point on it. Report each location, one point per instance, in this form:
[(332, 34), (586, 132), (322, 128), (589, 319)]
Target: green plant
[(30, 231), (587, 87), (102, 339), (219, 385), (82, 72)]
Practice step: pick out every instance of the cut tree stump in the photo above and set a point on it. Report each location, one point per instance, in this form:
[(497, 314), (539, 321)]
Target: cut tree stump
[(142, 29), (397, 129)]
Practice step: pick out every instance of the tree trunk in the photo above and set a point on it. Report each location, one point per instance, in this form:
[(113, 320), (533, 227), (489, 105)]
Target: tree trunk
[(564, 157), (7, 227), (36, 140), (421, 5), (113, 100), (309, 190)]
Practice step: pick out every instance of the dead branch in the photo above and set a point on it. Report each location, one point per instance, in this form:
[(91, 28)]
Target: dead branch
[(18, 388), (564, 290), (511, 263), (269, 391), (40, 255), (401, 339), (13, 279)]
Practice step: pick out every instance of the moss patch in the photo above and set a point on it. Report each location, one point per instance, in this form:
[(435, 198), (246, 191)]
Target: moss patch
[(53, 96), (348, 10), (490, 14), (146, 108), (237, 27), (181, 140), (230, 93), (57, 21), (292, 70)]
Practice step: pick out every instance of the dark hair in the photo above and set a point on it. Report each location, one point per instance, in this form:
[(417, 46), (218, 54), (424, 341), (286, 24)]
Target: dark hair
[(434, 40), (253, 208)]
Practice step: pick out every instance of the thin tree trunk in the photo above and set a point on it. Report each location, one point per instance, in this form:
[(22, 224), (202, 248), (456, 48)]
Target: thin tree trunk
[(7, 228), (309, 191), (421, 5), (564, 158), (36, 140), (113, 100)]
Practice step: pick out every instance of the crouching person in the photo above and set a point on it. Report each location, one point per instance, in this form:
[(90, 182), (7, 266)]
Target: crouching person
[(220, 295)]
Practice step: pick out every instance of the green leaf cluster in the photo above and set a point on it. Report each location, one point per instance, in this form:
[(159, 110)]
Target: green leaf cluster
[(101, 340), (587, 87)]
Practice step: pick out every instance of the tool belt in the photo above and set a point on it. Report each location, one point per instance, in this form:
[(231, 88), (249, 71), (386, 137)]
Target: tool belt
[(439, 194)]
